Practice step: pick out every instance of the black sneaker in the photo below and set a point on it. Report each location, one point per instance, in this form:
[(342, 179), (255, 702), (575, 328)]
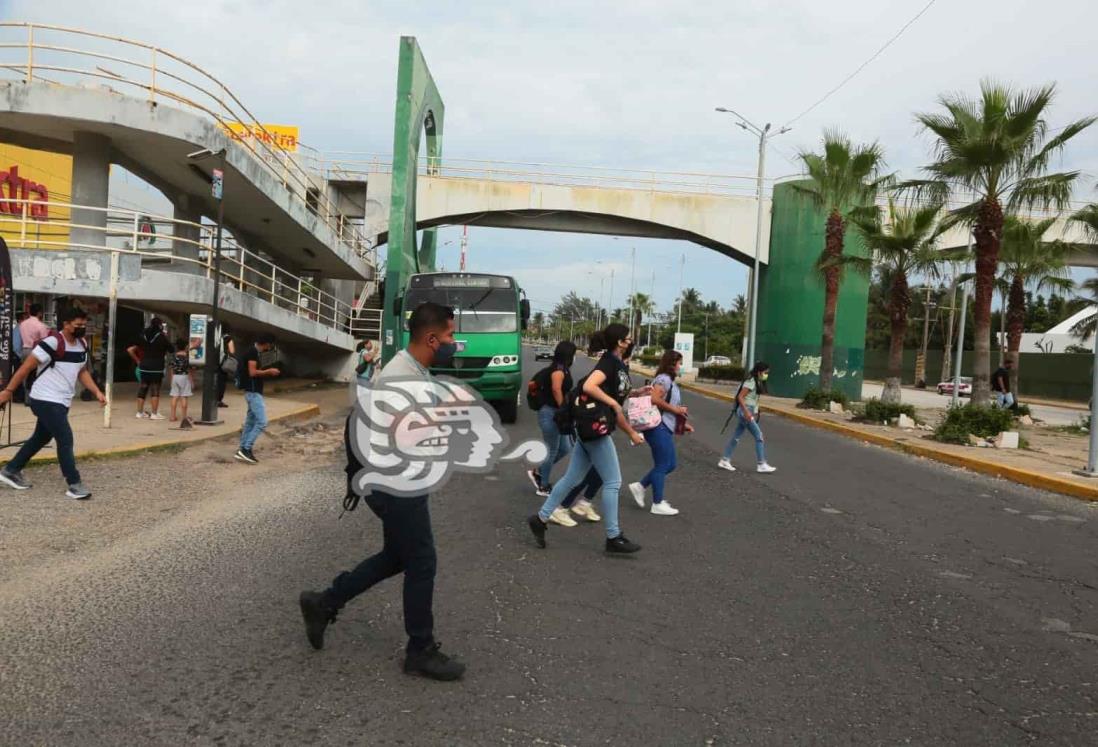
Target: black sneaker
[(14, 479), (537, 526), (246, 455), (222, 404), (318, 614), (621, 545), (430, 662)]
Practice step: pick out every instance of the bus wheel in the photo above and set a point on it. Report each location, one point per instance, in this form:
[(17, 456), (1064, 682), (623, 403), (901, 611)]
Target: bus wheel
[(508, 410)]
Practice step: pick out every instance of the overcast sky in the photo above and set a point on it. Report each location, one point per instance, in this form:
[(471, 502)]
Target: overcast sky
[(625, 84)]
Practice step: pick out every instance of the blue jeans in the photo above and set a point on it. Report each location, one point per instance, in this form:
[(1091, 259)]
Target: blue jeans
[(559, 445), (589, 487), (254, 422), (601, 455), (747, 425), (1005, 399), (662, 443), (53, 423)]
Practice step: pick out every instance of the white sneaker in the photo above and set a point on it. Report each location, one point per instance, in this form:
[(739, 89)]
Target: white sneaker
[(663, 508), (142, 415), (156, 416), (584, 508), (560, 516), (765, 468), (725, 464), (638, 493)]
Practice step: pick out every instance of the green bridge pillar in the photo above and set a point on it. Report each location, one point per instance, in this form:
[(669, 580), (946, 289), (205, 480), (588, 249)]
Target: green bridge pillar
[(791, 298), (419, 109)]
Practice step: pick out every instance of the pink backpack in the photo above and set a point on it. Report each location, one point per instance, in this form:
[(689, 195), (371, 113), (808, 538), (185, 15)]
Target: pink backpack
[(642, 414)]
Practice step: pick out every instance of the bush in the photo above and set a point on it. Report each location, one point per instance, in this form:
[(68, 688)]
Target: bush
[(983, 422), (721, 373), (817, 399), (650, 360), (876, 411), (1020, 410)]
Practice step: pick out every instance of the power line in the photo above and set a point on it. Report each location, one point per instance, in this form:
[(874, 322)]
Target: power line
[(865, 64)]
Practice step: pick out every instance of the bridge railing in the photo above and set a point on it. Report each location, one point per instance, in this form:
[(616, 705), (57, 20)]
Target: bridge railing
[(348, 166), (74, 57), (186, 244)]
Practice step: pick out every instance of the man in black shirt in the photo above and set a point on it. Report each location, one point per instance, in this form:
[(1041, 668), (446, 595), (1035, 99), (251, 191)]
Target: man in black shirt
[(1000, 384), (251, 374), (149, 352)]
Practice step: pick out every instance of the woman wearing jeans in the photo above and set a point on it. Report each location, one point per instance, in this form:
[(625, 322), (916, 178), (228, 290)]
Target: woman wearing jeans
[(661, 439), (747, 408), (608, 384)]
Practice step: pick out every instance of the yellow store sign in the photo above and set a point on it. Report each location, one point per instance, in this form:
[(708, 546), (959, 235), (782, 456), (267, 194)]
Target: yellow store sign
[(283, 137), (39, 177)]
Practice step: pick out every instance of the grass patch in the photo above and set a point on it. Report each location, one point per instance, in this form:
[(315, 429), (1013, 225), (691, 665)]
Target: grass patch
[(817, 399), (983, 422), (875, 411)]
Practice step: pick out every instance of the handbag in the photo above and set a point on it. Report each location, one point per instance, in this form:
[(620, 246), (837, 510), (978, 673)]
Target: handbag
[(642, 414), (228, 365)]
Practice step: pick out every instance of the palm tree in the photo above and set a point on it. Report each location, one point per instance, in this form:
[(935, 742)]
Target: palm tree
[(642, 306), (902, 247), (1087, 217), (843, 180), (993, 153), (539, 322), (1029, 262)]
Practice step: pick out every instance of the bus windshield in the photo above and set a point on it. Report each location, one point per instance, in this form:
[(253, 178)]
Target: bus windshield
[(475, 309)]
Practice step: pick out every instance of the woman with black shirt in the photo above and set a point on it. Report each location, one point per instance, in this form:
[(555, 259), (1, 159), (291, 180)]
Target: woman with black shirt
[(557, 444), (608, 384)]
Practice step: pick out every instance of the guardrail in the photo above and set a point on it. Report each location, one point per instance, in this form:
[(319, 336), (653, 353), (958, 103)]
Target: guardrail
[(350, 166), (69, 56), (186, 243)]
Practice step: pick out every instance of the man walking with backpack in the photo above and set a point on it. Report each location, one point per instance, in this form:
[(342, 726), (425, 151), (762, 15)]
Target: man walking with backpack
[(60, 359)]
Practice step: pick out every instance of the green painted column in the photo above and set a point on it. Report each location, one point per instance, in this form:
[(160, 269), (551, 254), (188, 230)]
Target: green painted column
[(791, 298), (419, 109)]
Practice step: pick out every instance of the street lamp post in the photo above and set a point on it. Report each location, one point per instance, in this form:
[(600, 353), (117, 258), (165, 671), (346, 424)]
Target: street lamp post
[(960, 335), (1092, 453), (682, 269), (209, 376), (764, 136)]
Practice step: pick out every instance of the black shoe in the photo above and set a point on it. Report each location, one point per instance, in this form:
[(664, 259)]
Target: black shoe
[(621, 545), (222, 404), (430, 662), (537, 526), (318, 614), (246, 455)]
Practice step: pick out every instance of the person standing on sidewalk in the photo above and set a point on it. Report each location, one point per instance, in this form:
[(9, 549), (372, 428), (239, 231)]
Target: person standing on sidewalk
[(608, 385), (228, 350), (667, 398), (747, 414), (17, 356), (250, 377), (149, 352), (1000, 385), (60, 359), (408, 543), (182, 379), (31, 331)]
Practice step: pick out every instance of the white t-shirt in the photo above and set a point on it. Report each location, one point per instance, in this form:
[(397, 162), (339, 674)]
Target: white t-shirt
[(58, 382)]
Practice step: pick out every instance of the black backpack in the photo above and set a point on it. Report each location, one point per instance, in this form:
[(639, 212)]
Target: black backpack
[(538, 388)]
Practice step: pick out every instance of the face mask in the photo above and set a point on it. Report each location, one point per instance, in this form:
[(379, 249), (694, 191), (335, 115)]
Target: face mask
[(444, 354), (764, 376), (79, 332), (678, 369)]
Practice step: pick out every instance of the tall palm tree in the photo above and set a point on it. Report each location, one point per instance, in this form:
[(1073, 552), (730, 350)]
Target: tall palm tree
[(1029, 262), (993, 153), (642, 306), (539, 322), (901, 247), (844, 179), (1087, 218)]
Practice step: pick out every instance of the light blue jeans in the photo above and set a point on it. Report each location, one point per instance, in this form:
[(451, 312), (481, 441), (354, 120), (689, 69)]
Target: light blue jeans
[(558, 445), (747, 425), (254, 422), (601, 455), (1005, 399)]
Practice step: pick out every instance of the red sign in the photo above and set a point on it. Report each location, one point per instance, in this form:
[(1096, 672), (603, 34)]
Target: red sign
[(19, 188)]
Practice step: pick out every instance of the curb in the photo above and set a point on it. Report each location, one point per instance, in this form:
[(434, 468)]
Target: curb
[(1014, 474), (302, 413)]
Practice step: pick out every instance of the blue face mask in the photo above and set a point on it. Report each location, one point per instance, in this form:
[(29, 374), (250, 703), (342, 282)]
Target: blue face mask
[(444, 354)]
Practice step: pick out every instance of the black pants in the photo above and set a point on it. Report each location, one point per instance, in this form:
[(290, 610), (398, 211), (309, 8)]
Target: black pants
[(409, 549), (222, 382), (590, 486)]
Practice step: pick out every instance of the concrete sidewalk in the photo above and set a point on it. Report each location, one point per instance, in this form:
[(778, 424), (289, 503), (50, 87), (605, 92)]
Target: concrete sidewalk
[(291, 399)]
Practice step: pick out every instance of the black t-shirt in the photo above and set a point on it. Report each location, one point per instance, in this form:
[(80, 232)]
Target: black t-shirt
[(1000, 380), (181, 364), (565, 386), (250, 384), (154, 349), (617, 383)]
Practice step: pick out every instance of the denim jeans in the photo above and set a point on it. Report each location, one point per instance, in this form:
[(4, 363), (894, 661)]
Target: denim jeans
[(409, 548), (601, 455), (558, 445), (254, 422), (662, 443), (747, 425), (53, 423), (589, 487), (1005, 399)]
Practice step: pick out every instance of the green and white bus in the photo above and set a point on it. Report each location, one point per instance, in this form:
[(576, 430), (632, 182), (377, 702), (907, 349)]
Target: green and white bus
[(490, 313)]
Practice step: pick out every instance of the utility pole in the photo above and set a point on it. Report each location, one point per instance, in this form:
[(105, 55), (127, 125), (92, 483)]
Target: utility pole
[(707, 335), (652, 300), (464, 246), (764, 137), (961, 337), (633, 294), (947, 349), (610, 300), (920, 361), (682, 269)]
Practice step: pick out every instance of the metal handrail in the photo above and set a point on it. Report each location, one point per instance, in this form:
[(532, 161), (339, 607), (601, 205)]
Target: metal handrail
[(240, 268), (220, 103)]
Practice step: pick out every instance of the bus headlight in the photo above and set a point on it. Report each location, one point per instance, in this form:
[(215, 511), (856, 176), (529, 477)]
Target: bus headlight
[(503, 360)]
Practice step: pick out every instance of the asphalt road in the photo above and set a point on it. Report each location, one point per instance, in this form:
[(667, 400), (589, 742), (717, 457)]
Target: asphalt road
[(856, 596)]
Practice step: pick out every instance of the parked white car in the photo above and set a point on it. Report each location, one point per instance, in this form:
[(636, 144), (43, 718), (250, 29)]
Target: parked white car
[(717, 360)]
